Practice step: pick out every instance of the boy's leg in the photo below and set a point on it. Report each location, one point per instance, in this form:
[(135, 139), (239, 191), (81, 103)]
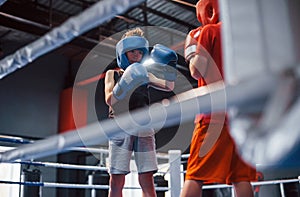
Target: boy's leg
[(147, 183), (243, 189), (116, 183), (192, 188)]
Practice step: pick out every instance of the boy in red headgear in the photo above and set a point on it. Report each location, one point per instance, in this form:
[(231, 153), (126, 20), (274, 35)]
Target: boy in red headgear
[(213, 156)]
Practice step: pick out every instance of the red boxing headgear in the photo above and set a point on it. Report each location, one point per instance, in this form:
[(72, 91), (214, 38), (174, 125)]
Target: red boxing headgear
[(207, 11)]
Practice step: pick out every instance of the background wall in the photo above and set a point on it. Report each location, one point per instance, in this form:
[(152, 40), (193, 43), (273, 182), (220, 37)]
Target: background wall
[(30, 97), (30, 103)]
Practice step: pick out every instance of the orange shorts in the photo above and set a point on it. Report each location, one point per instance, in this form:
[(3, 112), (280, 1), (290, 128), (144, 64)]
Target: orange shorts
[(217, 161)]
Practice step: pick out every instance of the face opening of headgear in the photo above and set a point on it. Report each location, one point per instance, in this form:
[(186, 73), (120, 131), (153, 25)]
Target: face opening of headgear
[(128, 44), (207, 11)]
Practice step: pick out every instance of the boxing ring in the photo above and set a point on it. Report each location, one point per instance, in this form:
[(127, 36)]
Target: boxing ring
[(247, 55)]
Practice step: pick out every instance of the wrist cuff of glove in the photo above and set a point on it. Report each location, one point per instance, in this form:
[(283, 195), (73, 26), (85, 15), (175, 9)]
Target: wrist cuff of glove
[(118, 93), (190, 52)]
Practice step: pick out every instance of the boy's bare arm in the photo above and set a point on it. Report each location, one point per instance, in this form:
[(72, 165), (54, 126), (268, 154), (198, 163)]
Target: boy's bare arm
[(109, 83)]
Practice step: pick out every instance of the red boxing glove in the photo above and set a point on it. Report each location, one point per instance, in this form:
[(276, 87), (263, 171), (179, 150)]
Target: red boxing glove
[(191, 42)]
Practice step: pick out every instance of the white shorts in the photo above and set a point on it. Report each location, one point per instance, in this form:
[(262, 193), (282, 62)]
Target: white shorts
[(120, 152)]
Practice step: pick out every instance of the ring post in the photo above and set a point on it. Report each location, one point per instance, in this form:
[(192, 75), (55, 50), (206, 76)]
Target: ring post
[(174, 161), (160, 181), (90, 182), (31, 175), (101, 178)]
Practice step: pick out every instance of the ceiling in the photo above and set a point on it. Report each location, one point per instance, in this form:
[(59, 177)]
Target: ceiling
[(23, 21)]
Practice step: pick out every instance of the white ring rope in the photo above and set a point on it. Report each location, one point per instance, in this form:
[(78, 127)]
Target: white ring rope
[(13, 139), (67, 166), (88, 149), (185, 156), (86, 186), (62, 165), (91, 17), (175, 112), (71, 185)]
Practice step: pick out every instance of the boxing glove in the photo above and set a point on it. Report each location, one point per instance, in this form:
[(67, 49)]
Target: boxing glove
[(164, 63), (134, 76)]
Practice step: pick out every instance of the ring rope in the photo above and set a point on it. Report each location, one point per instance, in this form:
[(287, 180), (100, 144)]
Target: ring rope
[(88, 149), (87, 186), (16, 140), (185, 156), (2, 2), (62, 165), (95, 15), (105, 151), (258, 183), (68, 166), (69, 185)]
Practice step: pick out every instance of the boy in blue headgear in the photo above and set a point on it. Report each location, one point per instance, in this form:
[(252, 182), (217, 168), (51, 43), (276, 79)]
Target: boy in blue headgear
[(127, 89)]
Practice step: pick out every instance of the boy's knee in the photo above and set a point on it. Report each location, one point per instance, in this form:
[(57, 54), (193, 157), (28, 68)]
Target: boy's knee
[(117, 181)]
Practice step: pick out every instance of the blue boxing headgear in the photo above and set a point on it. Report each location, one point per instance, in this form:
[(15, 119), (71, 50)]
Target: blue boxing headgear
[(128, 44)]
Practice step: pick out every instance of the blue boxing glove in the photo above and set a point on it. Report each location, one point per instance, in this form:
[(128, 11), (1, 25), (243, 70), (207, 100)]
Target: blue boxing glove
[(165, 60), (134, 76)]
